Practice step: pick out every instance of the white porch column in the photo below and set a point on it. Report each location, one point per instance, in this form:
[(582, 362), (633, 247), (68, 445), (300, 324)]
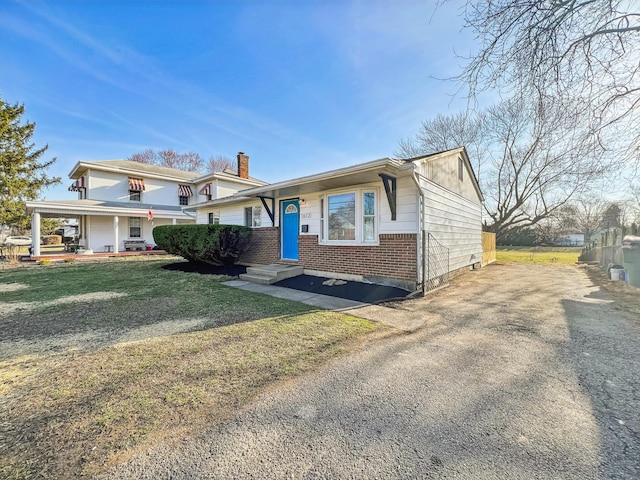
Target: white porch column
[(35, 233), (115, 234), (174, 221), (87, 227)]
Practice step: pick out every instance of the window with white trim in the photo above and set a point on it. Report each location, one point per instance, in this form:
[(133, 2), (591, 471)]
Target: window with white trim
[(322, 222), (349, 217), (214, 218), (369, 217), (135, 227), (253, 216)]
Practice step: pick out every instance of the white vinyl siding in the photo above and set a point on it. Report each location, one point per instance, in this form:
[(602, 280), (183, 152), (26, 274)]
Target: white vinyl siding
[(406, 210), (232, 214), (455, 222)]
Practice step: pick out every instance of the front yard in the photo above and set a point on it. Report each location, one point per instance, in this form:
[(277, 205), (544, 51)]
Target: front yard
[(100, 360)]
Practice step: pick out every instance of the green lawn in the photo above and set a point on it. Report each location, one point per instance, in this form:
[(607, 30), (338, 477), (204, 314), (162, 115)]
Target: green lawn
[(76, 411), (550, 255)]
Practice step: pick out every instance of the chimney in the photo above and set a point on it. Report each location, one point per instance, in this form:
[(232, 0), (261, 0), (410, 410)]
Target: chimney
[(243, 165)]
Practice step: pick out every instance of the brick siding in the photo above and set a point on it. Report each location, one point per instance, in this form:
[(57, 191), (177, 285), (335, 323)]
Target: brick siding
[(264, 248), (395, 257)]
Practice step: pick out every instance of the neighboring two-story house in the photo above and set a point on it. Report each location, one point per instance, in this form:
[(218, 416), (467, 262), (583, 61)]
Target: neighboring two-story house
[(120, 201)]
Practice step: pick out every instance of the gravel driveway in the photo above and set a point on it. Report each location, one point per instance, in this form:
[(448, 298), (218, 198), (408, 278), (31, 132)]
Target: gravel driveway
[(518, 372)]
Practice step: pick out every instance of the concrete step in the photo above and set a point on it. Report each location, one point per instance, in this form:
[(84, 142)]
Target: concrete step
[(276, 272), (261, 279)]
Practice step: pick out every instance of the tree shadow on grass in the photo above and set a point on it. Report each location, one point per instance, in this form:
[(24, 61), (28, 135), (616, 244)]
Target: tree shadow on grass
[(205, 268)]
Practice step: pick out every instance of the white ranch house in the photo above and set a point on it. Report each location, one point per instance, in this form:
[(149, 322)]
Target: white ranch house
[(376, 221)]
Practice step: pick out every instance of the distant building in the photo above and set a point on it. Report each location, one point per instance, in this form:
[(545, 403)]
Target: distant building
[(570, 240)]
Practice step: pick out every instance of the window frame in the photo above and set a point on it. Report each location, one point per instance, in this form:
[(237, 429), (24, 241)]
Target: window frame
[(133, 194), (323, 238), (183, 200), (213, 218), (253, 219), (139, 226)]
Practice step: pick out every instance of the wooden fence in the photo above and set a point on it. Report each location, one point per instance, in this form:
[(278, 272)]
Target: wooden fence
[(488, 248)]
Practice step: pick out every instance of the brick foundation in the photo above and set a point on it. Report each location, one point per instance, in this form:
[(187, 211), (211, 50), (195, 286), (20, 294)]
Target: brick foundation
[(264, 248), (394, 258)]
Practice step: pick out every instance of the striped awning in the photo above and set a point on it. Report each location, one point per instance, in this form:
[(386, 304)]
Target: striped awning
[(185, 191), (206, 190), (136, 184), (77, 185)]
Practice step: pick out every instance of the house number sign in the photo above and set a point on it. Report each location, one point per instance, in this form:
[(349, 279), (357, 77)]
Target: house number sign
[(305, 215)]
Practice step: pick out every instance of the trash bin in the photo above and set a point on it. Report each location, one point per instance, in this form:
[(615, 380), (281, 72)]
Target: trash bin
[(616, 273), (631, 259)]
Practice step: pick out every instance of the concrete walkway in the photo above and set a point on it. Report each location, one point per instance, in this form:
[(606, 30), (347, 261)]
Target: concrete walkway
[(397, 317)]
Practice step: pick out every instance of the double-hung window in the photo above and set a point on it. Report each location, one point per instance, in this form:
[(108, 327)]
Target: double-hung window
[(253, 216), (214, 218), (135, 227), (349, 217), (369, 216)]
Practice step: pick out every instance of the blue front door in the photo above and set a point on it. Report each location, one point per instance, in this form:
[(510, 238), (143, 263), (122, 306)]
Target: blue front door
[(290, 228)]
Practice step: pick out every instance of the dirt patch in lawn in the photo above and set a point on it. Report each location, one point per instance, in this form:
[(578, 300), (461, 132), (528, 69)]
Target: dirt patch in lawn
[(24, 307), (12, 287)]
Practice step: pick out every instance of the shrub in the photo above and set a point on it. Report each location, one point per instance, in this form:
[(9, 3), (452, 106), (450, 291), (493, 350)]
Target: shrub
[(214, 244)]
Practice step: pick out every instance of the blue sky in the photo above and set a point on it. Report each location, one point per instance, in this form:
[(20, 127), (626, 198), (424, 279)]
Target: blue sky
[(301, 87)]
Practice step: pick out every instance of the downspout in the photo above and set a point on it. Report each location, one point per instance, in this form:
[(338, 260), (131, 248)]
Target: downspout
[(420, 272)]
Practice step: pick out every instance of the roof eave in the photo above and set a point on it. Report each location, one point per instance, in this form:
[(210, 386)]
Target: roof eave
[(81, 166), (380, 164)]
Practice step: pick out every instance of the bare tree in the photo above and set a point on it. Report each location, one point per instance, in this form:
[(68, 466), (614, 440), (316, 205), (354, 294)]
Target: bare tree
[(634, 204), (219, 163), (189, 161), (581, 53), (584, 214), (533, 161), (445, 132)]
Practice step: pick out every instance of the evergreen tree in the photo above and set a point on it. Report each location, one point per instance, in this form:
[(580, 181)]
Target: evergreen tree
[(22, 176)]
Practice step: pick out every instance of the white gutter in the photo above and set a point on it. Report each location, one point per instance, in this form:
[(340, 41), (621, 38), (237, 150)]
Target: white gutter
[(126, 171), (51, 207), (363, 167)]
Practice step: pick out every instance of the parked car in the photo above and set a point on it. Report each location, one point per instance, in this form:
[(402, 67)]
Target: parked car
[(18, 241)]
